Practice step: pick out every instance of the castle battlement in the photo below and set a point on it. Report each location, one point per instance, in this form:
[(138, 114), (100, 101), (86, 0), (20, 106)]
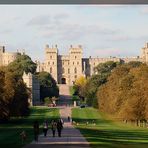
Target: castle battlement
[(7, 57), (67, 68)]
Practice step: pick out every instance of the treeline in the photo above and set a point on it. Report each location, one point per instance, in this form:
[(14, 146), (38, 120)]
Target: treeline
[(48, 86), (125, 95), (87, 89), (14, 93), (117, 89)]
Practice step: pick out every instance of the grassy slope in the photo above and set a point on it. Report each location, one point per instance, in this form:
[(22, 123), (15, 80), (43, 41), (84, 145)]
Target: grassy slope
[(10, 132), (108, 134)]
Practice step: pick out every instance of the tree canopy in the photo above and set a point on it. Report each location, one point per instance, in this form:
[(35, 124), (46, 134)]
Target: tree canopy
[(102, 71), (125, 94), (23, 63), (13, 95), (48, 86)]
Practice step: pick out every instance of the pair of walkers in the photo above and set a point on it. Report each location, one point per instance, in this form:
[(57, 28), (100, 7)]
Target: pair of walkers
[(57, 125)]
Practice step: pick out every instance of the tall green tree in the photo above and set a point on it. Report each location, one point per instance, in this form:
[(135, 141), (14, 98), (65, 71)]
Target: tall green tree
[(48, 86), (80, 84), (102, 71), (125, 94), (23, 63), (14, 95)]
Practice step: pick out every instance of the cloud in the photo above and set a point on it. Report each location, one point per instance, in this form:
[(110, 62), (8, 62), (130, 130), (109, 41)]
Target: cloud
[(39, 20), (75, 31), (6, 31), (61, 16), (120, 37), (144, 10), (46, 20)]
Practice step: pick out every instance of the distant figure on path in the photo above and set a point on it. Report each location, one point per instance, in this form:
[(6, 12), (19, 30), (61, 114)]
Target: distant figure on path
[(68, 119), (23, 136), (36, 130), (59, 127), (53, 127), (45, 127), (62, 121)]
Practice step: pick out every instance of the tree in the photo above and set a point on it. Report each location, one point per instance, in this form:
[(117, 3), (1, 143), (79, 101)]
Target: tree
[(23, 63), (14, 95), (102, 72), (91, 88), (125, 93), (80, 84), (134, 64), (105, 68), (48, 86)]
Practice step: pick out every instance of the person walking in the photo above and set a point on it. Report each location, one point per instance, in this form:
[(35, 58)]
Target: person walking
[(36, 130), (45, 127), (59, 127), (68, 119), (53, 127)]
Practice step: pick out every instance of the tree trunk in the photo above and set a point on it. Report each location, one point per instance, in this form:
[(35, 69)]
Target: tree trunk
[(137, 123)]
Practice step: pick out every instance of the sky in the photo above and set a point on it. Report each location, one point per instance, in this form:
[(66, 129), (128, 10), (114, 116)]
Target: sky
[(102, 30)]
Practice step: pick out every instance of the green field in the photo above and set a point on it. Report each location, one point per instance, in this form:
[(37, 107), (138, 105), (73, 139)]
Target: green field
[(10, 132), (103, 133)]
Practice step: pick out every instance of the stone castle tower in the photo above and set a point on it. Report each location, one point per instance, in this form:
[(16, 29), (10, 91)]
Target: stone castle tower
[(145, 53), (51, 60), (70, 66), (65, 69)]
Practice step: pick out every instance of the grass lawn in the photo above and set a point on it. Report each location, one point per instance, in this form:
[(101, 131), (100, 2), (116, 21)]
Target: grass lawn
[(106, 133), (10, 132)]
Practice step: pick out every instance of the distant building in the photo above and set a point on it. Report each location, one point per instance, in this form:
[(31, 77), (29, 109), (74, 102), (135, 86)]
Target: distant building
[(145, 53), (65, 69), (7, 57), (33, 84)]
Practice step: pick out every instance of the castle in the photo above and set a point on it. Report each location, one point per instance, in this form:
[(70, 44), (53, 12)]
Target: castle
[(65, 69), (6, 57)]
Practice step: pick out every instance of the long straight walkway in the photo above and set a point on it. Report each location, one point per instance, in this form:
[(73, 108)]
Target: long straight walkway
[(71, 137)]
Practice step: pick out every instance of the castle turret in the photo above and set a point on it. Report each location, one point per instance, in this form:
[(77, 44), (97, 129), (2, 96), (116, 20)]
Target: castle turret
[(145, 53), (51, 55), (75, 54)]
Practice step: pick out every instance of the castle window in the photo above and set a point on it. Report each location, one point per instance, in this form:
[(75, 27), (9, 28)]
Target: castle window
[(73, 63), (68, 70), (48, 63), (75, 76), (75, 57), (63, 70), (50, 57), (53, 63), (75, 70), (77, 63), (50, 69)]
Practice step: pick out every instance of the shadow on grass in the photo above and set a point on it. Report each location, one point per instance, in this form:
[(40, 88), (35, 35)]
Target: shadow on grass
[(105, 133), (108, 138), (10, 131)]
